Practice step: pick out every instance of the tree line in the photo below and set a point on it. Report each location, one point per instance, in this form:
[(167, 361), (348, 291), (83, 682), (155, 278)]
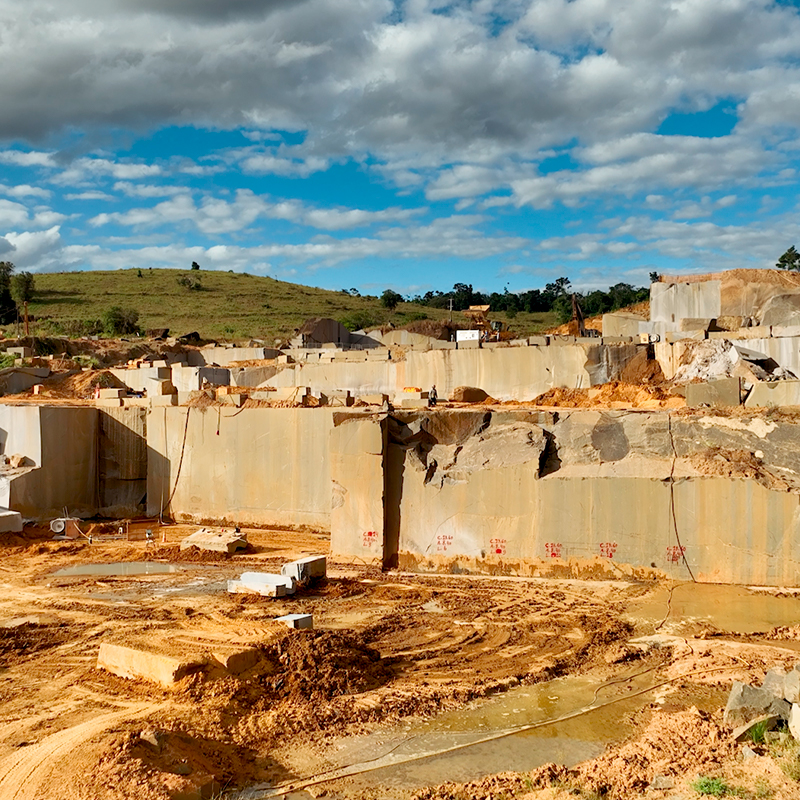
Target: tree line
[(556, 296)]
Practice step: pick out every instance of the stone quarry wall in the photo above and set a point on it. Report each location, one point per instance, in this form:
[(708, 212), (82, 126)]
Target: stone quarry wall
[(252, 466), (523, 492), (62, 443), (505, 373), (122, 462)]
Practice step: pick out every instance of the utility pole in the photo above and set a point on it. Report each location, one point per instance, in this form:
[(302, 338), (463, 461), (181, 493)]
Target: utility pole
[(27, 333), (451, 309)]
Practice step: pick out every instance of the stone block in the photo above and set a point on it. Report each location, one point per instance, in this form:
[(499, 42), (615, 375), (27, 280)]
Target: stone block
[(440, 344), (236, 400), (773, 394), (305, 569), (469, 344), (10, 521), (794, 721), (681, 336), (164, 400), (237, 661), (410, 402), (774, 681), (782, 331), (298, 621), (694, 324), (238, 587), (161, 387), (616, 340), (20, 352), (135, 663), (107, 394), (746, 703), (719, 393), (791, 686), (136, 402), (110, 402), (258, 581), (468, 394), (215, 541), (415, 395), (374, 399), (539, 341)]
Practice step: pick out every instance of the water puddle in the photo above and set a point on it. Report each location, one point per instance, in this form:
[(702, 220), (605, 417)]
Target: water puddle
[(122, 568), (735, 609)]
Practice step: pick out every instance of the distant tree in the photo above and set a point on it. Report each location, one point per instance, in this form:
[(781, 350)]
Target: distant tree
[(23, 287), (139, 273), (195, 265), (118, 321), (8, 310), (654, 277), (390, 299), (789, 260)]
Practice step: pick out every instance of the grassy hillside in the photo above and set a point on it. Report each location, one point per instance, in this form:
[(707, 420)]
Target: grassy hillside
[(231, 306)]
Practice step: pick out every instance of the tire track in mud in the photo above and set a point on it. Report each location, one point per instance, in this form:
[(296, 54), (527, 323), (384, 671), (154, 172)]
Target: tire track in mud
[(23, 773)]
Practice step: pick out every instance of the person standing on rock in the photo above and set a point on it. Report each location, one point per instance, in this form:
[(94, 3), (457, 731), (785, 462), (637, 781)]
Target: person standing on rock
[(433, 396)]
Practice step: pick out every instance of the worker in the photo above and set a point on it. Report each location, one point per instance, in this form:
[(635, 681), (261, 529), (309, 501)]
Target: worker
[(433, 396)]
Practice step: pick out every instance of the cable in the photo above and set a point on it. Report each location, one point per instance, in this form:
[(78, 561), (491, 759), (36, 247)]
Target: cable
[(348, 771), (180, 464), (672, 497)]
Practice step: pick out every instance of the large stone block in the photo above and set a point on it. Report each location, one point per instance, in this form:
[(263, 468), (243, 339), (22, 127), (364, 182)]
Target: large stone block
[(746, 703), (132, 662), (298, 621), (215, 541), (305, 569)]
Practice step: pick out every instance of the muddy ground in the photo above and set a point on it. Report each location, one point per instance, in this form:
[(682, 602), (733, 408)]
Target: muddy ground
[(388, 652)]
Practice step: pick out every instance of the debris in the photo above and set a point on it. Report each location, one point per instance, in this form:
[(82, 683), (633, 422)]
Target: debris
[(215, 541), (267, 584), (745, 703)]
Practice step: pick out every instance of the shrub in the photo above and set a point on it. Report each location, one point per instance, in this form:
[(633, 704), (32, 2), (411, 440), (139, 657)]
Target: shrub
[(118, 321), (189, 283), (716, 787), (358, 320)]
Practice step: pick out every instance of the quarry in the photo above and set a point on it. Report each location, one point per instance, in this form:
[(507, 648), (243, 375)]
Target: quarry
[(250, 572)]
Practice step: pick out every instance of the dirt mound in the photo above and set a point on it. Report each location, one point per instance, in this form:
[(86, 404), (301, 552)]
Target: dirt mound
[(79, 385), (469, 394), (672, 745), (642, 369), (616, 394), (194, 554), (736, 464), (19, 642)]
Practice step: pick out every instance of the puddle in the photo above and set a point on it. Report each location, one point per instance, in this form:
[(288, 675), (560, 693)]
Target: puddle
[(735, 609), (118, 568), (413, 755)]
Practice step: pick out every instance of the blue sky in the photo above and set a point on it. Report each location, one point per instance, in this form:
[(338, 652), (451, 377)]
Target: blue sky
[(411, 145)]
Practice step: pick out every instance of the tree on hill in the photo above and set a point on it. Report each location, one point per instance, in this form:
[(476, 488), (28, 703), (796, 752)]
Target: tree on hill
[(390, 299), (8, 309), (789, 260), (118, 321), (23, 288), (195, 265)]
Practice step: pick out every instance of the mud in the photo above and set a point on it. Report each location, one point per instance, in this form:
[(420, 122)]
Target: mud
[(390, 653)]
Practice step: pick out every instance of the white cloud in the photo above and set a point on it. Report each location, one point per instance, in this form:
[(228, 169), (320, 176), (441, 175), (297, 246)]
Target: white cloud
[(25, 190), (147, 190), (91, 195)]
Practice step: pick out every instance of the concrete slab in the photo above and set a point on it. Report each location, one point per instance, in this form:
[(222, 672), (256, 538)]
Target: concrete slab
[(215, 541), (134, 663), (298, 621), (305, 569)]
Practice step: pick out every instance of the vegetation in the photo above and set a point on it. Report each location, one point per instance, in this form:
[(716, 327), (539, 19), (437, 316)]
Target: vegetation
[(231, 305), (119, 321), (556, 297), (391, 299), (789, 260), (715, 787), (8, 310)]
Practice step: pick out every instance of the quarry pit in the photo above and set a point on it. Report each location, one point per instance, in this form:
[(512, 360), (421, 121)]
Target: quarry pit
[(544, 586)]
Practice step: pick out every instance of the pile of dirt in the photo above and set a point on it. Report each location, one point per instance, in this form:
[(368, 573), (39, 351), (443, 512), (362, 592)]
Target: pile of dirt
[(19, 642), (194, 555), (643, 369), (672, 745), (78, 385), (736, 464), (617, 394)]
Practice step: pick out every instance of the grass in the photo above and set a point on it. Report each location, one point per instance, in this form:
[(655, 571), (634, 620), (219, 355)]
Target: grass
[(714, 787), (231, 305)]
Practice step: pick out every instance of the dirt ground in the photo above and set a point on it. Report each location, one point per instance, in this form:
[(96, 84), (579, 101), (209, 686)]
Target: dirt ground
[(388, 650)]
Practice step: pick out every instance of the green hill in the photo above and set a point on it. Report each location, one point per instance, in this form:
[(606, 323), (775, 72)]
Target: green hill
[(226, 305)]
